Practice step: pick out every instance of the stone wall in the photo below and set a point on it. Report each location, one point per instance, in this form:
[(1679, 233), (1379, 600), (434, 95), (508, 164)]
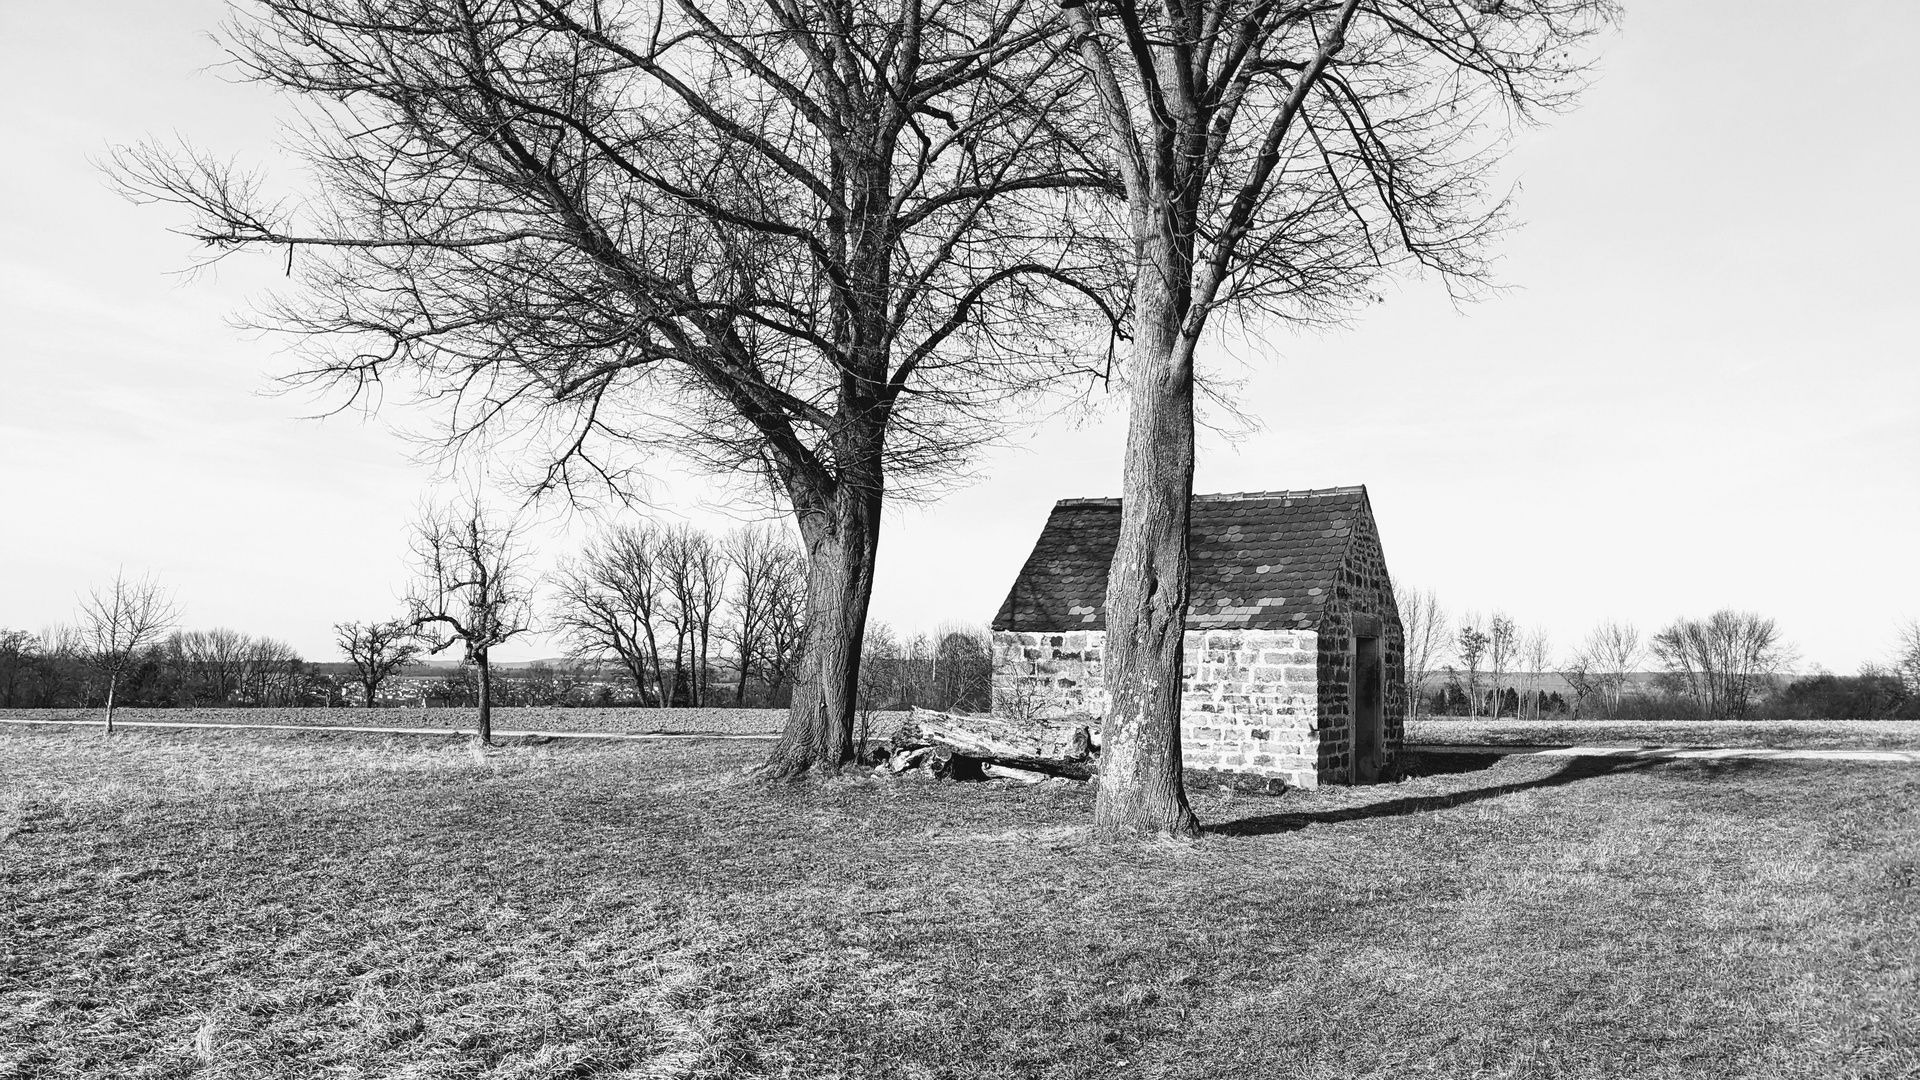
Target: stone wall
[(1363, 590), (1249, 705)]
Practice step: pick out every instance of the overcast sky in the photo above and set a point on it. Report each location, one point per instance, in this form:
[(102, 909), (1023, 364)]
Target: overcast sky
[(1702, 391)]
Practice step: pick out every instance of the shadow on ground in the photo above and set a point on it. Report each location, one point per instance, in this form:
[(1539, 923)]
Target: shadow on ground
[(1449, 762), (1574, 771)]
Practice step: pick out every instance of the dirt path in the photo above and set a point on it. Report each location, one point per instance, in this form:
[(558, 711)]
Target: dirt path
[(498, 733)]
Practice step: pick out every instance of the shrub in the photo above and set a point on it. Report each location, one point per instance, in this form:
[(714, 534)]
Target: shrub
[(1844, 697)]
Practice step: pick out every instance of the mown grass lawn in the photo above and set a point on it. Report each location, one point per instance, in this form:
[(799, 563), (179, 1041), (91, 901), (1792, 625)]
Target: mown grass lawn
[(241, 905)]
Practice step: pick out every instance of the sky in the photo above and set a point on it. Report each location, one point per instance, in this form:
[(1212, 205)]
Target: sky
[(1701, 388)]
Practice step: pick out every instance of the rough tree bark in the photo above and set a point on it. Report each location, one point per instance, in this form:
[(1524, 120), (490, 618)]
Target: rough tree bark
[(842, 539), (1140, 775), (485, 717)]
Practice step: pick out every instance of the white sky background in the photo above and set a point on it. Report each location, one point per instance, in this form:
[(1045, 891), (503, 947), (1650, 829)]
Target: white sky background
[(1703, 391)]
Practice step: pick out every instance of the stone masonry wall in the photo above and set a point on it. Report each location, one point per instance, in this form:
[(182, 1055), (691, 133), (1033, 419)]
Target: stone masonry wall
[(1363, 589), (1249, 705)]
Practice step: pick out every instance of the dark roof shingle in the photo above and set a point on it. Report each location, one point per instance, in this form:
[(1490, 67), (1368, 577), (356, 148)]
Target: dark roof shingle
[(1260, 561)]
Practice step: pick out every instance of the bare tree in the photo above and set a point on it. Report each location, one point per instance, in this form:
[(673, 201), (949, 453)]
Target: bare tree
[(59, 655), (211, 663), (1426, 627), (609, 602), (692, 573), (376, 650), (118, 621), (760, 558), (1470, 644), (18, 652), (786, 627), (881, 682), (471, 587), (1609, 657), (271, 673), (1536, 653), (1722, 662), (1906, 663), (1503, 642), (1280, 156), (815, 245), (963, 668), (708, 594), (1583, 681)]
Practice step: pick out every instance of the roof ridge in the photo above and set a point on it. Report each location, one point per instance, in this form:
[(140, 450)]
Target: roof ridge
[(1230, 496), (1302, 493)]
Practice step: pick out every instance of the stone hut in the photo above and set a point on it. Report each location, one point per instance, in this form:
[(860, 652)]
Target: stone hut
[(1295, 672)]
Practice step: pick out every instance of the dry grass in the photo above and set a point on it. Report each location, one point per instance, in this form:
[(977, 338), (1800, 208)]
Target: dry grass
[(1784, 734), (235, 905)]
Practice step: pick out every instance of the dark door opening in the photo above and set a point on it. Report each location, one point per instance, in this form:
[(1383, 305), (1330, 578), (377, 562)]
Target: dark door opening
[(1369, 710)]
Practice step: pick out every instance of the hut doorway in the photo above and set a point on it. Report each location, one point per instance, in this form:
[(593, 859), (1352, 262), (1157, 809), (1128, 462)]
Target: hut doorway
[(1369, 709)]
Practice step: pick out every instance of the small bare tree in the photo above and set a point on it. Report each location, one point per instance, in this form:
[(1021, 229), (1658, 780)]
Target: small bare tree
[(1609, 657), (119, 620), (471, 588), (1536, 653), (1503, 643), (376, 650), (1425, 626), (1470, 644)]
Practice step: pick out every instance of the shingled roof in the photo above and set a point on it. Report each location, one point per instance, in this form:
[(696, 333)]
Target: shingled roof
[(1263, 560)]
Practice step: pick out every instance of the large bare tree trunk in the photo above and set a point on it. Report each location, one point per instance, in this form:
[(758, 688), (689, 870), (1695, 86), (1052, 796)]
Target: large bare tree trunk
[(111, 680), (1141, 792), (842, 539)]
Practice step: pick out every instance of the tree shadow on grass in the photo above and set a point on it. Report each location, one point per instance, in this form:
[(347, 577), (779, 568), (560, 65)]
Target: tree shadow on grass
[(1574, 771)]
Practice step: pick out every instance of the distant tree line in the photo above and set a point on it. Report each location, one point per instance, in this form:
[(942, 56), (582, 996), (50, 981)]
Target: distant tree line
[(648, 614), (1730, 665), (220, 668)]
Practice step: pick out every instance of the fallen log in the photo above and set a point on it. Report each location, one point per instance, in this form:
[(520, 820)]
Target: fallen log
[(964, 745), (1006, 772), (995, 736)]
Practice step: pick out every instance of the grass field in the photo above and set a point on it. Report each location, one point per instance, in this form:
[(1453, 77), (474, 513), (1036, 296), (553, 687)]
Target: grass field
[(221, 906)]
